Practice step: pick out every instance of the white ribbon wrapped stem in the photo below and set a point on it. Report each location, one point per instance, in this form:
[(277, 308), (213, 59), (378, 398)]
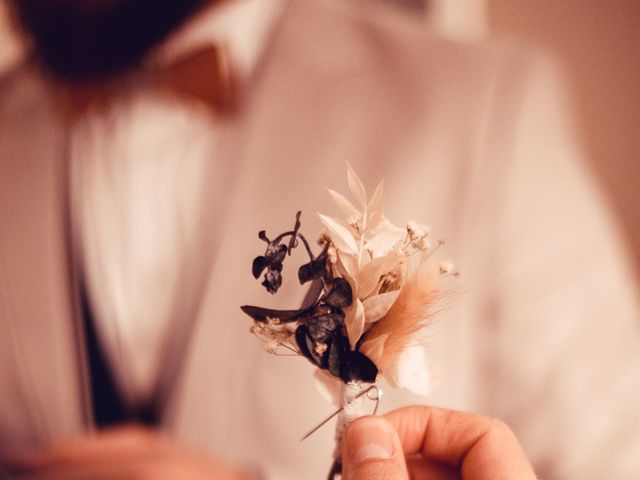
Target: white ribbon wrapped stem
[(353, 406)]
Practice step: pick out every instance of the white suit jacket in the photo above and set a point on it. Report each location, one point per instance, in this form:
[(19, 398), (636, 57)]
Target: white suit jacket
[(472, 139)]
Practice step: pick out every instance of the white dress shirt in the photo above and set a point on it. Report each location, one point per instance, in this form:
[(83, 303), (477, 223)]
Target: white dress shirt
[(137, 180)]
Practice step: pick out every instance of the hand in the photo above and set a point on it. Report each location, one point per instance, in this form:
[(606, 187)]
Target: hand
[(430, 443), (123, 453)]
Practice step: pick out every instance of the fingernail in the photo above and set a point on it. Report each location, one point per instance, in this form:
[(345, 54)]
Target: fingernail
[(369, 438)]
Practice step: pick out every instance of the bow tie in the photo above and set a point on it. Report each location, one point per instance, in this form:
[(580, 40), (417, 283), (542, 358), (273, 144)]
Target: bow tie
[(203, 75)]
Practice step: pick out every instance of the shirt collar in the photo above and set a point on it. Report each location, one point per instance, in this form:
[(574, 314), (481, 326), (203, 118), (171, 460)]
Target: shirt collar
[(240, 27)]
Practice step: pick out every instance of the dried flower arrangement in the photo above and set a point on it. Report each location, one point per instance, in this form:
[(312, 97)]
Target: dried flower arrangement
[(373, 288)]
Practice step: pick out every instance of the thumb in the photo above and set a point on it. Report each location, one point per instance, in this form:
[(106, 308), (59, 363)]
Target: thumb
[(371, 450)]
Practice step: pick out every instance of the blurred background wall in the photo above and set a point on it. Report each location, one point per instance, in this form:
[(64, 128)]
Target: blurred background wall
[(599, 44)]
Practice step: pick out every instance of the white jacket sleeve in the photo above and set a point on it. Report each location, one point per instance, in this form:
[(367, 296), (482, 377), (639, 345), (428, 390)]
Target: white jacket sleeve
[(568, 342)]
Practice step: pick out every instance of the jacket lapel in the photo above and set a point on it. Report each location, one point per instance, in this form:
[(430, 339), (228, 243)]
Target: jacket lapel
[(41, 359)]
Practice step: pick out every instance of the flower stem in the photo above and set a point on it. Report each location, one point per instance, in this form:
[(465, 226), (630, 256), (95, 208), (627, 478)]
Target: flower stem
[(300, 236)]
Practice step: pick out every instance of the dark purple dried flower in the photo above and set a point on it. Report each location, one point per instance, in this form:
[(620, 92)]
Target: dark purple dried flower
[(320, 335)]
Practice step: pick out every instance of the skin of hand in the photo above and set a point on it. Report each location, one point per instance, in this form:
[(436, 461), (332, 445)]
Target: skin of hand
[(421, 443), (123, 453)]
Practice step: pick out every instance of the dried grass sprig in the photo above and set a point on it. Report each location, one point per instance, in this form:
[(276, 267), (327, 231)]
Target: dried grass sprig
[(410, 313)]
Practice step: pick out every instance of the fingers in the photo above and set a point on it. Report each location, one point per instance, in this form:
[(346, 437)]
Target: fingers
[(421, 469), (480, 448), (371, 450)]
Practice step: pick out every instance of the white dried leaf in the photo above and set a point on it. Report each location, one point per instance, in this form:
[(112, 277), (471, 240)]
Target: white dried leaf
[(385, 238), (387, 227), (354, 322), (356, 187), (369, 276), (374, 348), (364, 259), (375, 220), (376, 201), (344, 204), (349, 263), (350, 280), (328, 386), (340, 235), (377, 306)]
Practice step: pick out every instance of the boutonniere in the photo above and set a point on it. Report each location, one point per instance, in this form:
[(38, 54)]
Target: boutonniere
[(374, 288)]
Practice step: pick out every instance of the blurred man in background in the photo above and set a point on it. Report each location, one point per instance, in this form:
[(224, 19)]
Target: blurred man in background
[(144, 143)]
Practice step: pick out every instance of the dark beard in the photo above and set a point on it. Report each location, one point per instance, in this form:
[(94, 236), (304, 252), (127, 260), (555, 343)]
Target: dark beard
[(89, 40)]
